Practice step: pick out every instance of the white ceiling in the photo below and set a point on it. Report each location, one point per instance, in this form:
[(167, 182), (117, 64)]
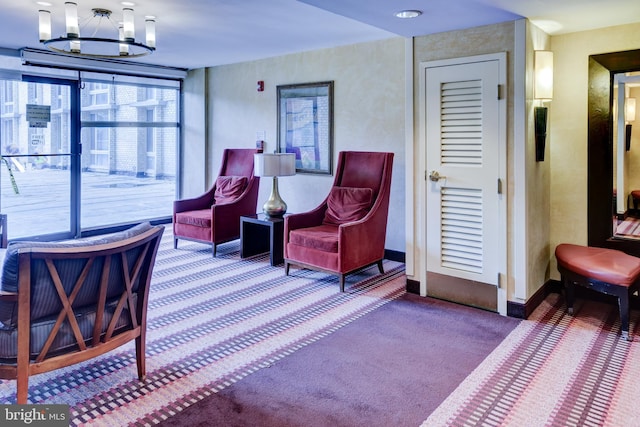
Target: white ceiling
[(198, 33)]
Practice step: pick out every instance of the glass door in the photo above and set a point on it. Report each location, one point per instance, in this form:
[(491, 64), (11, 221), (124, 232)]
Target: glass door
[(38, 143)]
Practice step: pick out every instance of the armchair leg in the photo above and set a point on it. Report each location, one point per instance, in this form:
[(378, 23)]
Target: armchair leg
[(22, 388), (213, 249), (341, 277), (140, 358), (286, 268), (380, 267), (175, 243)]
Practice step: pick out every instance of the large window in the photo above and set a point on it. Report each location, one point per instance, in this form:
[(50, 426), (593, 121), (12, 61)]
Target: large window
[(120, 168), (130, 127)]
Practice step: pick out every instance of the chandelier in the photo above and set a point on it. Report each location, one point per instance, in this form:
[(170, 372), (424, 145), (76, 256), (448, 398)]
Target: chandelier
[(97, 45)]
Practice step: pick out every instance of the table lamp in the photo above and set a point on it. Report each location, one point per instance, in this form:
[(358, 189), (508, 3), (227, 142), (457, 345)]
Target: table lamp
[(275, 165)]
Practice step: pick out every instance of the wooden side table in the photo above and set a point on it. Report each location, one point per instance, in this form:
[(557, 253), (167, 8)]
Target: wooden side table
[(259, 234)]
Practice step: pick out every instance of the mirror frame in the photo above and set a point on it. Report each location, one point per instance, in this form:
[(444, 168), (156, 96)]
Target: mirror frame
[(602, 69)]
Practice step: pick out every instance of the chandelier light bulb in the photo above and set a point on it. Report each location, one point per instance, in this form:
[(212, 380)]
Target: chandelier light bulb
[(150, 30), (71, 17), (44, 24), (128, 25), (124, 48), (74, 46)]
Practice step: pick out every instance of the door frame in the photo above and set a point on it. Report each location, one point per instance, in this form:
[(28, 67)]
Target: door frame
[(421, 190)]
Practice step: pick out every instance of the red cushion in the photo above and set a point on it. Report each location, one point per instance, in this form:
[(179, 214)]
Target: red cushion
[(321, 237), (229, 188), (347, 204), (606, 265), (199, 218)]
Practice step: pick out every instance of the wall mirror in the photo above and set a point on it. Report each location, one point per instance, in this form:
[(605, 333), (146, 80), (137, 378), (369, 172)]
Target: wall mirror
[(600, 195)]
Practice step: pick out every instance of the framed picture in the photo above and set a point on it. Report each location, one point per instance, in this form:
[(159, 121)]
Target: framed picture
[(305, 125)]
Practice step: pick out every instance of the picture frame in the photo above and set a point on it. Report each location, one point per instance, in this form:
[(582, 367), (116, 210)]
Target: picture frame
[(305, 125)]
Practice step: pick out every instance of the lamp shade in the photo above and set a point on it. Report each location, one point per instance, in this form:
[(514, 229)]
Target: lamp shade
[(277, 164), (543, 78)]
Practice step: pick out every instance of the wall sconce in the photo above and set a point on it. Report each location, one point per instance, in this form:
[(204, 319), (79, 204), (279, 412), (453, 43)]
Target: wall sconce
[(629, 116), (542, 90)]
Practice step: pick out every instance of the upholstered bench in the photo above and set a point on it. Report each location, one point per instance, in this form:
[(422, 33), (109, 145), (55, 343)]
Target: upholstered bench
[(609, 271)]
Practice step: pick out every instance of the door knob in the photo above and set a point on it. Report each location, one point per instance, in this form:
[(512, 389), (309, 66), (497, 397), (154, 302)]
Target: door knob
[(435, 176)]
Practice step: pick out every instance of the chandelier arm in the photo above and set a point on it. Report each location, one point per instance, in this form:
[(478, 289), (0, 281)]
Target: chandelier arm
[(50, 44)]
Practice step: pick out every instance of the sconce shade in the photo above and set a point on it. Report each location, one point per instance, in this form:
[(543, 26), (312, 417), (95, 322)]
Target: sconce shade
[(630, 109), (543, 75), (277, 164)]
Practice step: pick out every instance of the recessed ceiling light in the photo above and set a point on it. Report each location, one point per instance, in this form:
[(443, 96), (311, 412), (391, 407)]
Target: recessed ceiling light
[(43, 3), (404, 14), (127, 3)]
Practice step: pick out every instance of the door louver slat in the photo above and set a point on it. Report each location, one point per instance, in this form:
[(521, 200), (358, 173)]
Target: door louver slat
[(461, 229), (461, 123)]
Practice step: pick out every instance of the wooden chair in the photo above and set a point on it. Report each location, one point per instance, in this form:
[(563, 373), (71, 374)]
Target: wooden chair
[(64, 303)]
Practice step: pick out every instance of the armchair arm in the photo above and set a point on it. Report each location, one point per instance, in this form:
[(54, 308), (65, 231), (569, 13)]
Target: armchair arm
[(8, 296), (305, 219), (203, 201), (371, 229), (243, 205), (226, 216)]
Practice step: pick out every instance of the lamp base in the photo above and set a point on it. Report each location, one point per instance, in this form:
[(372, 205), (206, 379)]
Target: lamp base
[(275, 207)]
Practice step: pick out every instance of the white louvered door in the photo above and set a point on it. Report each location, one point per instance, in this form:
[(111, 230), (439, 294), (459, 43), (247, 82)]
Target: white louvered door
[(463, 155)]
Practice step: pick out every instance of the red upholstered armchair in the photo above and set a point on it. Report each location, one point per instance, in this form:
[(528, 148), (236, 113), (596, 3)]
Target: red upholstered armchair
[(214, 217), (347, 231)]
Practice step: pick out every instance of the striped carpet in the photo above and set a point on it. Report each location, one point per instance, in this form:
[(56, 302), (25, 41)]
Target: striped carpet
[(211, 322), (629, 228), (553, 370)]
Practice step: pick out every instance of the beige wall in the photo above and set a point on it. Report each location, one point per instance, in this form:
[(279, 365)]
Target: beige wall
[(194, 130), (537, 178), (568, 127), (369, 108)]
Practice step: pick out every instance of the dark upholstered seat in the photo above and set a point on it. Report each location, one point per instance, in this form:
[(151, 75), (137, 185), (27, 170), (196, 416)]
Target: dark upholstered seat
[(63, 303), (214, 217), (347, 231), (604, 270)]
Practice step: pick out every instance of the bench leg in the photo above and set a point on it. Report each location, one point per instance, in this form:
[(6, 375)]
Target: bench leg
[(623, 304)]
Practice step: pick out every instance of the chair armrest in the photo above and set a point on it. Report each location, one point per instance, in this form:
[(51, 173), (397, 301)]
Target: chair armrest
[(372, 228), (204, 201), (305, 219), (8, 296)]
